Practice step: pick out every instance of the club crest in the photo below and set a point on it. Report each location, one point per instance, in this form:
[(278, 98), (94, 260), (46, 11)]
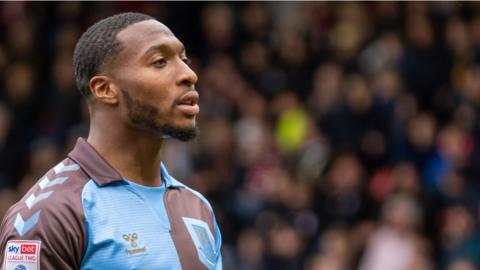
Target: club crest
[(203, 239)]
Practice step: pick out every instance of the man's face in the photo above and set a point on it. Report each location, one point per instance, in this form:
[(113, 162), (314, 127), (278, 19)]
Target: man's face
[(156, 84)]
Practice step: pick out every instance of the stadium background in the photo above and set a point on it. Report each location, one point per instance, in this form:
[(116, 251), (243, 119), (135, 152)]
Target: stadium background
[(333, 135)]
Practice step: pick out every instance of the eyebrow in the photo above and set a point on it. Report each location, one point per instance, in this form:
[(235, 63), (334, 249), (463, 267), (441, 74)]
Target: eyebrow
[(163, 47)]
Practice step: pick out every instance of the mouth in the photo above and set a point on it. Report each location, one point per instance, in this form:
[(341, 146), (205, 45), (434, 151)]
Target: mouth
[(188, 103)]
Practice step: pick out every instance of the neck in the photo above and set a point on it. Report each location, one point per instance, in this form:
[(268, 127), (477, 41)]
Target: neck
[(133, 154)]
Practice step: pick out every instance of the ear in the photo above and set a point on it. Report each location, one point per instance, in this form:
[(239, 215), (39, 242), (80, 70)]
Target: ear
[(104, 90)]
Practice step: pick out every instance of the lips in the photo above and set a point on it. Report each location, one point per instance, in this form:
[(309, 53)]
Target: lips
[(188, 103)]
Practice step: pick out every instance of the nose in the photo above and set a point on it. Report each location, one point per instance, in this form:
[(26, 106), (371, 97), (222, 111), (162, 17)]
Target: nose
[(187, 76)]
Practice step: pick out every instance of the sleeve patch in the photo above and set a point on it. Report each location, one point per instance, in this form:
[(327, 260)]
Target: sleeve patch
[(203, 240), (22, 255)]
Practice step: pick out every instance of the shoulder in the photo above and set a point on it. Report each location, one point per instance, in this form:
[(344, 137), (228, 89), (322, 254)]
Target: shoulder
[(200, 196), (55, 199), (196, 213), (183, 192), (190, 192), (51, 214)]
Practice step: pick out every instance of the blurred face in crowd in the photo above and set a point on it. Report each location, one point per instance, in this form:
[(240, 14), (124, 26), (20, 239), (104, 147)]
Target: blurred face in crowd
[(154, 82)]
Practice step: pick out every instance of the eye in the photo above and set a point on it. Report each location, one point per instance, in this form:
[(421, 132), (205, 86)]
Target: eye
[(187, 61), (159, 62)]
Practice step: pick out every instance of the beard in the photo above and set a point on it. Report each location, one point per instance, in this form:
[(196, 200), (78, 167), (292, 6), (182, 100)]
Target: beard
[(143, 115)]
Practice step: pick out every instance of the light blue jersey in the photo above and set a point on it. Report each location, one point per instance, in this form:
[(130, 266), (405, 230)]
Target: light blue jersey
[(92, 218)]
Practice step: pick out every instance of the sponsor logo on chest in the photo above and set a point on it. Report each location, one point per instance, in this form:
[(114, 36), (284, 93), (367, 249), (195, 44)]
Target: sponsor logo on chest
[(133, 247)]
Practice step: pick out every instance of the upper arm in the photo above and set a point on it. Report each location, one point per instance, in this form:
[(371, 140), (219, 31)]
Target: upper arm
[(218, 240), (53, 227)]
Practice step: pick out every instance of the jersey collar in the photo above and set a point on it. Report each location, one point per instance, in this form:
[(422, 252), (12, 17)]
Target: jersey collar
[(100, 171), (93, 164)]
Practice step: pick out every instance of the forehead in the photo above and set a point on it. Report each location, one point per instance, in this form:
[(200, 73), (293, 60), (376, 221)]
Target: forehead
[(137, 38)]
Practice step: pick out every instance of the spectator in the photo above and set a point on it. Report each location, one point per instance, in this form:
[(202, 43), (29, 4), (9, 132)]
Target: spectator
[(325, 127)]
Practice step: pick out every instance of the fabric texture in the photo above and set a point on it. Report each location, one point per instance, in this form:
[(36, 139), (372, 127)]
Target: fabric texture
[(87, 216)]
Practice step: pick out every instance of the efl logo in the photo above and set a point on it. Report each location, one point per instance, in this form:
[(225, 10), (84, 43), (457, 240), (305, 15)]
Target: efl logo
[(28, 249)]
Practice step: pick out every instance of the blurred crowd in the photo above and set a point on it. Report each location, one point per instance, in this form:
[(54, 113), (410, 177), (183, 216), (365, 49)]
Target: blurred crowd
[(333, 135)]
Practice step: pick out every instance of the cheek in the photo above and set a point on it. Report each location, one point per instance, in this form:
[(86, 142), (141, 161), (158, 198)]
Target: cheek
[(152, 87), (158, 92), (155, 96)]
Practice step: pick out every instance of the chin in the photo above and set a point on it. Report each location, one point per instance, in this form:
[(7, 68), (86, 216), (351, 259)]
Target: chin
[(187, 123), (182, 133)]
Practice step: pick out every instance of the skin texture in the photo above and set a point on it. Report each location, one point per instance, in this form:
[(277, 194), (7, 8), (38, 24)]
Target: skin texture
[(136, 101)]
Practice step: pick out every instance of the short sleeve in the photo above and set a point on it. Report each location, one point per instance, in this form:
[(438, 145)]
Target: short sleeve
[(218, 240), (49, 235)]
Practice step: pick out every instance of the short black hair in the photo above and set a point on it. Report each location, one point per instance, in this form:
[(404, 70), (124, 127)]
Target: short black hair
[(98, 45)]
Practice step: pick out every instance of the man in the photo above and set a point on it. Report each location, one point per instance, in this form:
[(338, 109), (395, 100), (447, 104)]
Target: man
[(111, 204)]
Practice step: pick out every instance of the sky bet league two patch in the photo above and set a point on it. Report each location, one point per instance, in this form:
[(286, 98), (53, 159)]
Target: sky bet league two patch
[(22, 255)]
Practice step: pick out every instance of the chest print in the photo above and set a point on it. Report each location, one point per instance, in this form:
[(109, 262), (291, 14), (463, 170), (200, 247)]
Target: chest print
[(133, 244)]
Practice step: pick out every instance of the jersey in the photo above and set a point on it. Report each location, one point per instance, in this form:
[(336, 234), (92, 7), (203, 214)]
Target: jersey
[(83, 215)]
